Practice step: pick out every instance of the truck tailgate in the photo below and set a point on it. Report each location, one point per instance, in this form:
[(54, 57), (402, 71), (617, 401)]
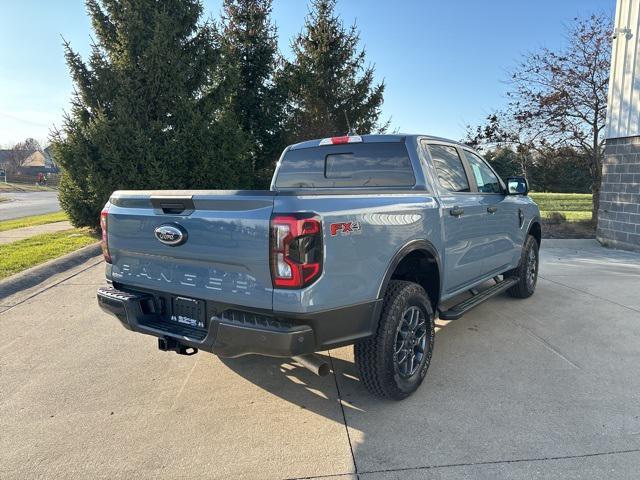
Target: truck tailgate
[(225, 257)]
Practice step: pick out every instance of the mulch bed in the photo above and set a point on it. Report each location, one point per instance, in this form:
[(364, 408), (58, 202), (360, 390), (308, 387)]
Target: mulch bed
[(581, 229)]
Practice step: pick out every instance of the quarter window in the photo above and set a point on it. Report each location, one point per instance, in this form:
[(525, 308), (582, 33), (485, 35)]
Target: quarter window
[(486, 180), (451, 174)]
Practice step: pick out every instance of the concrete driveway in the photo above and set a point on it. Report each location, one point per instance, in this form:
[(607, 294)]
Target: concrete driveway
[(24, 204), (547, 387)]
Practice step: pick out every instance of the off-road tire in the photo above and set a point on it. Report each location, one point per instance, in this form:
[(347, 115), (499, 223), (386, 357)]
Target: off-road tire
[(376, 357), (525, 286)]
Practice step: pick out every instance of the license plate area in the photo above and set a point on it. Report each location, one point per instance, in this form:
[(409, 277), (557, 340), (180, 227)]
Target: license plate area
[(189, 312)]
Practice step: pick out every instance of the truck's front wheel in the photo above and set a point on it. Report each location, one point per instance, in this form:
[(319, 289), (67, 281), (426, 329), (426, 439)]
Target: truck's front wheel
[(394, 361), (527, 271)]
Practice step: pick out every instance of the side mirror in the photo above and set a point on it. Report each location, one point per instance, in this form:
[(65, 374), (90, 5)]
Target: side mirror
[(517, 186)]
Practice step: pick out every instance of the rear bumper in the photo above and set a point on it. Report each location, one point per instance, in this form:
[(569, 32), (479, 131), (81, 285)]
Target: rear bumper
[(233, 331)]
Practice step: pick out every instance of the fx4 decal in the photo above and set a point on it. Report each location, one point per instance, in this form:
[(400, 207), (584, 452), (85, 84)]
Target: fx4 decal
[(345, 228)]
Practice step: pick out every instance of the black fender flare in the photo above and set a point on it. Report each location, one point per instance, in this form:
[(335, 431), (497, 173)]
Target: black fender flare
[(534, 220), (406, 249)]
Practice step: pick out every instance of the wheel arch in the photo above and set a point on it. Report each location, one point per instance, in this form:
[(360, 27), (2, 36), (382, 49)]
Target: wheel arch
[(535, 229), (417, 261)]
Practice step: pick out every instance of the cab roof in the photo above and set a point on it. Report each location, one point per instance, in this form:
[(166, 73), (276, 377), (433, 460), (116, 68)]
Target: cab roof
[(377, 138)]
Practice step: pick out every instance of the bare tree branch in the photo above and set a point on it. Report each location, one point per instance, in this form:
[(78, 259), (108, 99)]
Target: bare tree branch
[(558, 99)]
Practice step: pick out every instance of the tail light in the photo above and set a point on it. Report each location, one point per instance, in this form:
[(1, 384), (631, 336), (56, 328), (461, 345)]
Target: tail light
[(296, 250), (104, 221)]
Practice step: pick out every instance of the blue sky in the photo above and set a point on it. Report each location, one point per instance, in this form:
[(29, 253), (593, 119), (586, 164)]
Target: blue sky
[(444, 62)]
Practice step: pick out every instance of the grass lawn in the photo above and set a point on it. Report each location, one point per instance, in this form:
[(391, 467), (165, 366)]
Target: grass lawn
[(23, 254), (23, 187), (32, 221), (563, 202), (565, 215), (569, 215)]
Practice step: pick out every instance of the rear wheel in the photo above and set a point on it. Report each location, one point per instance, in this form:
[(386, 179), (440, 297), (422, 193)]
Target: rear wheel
[(394, 361), (527, 270)]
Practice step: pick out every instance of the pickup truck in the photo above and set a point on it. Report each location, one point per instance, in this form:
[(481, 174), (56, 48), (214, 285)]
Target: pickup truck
[(360, 240)]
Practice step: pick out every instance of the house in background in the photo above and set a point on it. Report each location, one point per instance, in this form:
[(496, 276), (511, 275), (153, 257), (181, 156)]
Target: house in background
[(34, 160), (38, 162), (31, 164), (619, 213)]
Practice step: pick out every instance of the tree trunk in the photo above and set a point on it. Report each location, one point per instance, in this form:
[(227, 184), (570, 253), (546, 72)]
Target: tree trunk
[(597, 181), (595, 190)]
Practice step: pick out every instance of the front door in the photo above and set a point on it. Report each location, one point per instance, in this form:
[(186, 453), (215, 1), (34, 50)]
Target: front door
[(502, 219)]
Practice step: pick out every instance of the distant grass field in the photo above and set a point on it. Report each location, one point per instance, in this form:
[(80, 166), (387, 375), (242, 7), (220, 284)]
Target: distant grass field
[(565, 215), (18, 256), (561, 202), (570, 216), (32, 221), (574, 207)]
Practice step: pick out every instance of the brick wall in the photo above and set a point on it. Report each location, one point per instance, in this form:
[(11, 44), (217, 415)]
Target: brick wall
[(619, 214)]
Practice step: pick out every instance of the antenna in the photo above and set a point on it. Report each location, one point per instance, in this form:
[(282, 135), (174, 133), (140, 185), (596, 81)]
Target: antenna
[(349, 132)]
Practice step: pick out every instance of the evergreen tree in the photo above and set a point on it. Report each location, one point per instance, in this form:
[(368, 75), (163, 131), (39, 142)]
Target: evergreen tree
[(150, 108), (251, 50), (328, 79), (504, 161)]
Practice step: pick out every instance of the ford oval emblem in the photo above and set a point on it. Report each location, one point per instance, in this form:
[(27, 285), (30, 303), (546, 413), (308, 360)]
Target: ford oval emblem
[(171, 234)]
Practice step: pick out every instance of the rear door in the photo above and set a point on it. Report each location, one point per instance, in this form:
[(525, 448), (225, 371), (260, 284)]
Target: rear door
[(463, 218), (224, 254)]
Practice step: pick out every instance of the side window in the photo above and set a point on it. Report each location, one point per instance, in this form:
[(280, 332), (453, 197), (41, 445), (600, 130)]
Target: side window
[(486, 180), (451, 174)]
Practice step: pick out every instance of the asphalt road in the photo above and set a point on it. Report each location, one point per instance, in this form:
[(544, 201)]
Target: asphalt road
[(24, 204), (546, 387)]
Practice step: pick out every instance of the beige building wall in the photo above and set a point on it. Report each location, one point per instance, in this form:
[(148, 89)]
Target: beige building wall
[(623, 106), (619, 213)]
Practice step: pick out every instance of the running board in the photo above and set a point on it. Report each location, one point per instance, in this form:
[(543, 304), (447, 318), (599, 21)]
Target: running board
[(455, 312)]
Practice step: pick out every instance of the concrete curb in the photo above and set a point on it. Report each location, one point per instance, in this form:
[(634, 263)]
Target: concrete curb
[(570, 243), (38, 274)]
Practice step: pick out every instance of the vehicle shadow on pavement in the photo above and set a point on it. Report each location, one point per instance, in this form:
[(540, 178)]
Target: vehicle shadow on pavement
[(297, 385), (293, 382)]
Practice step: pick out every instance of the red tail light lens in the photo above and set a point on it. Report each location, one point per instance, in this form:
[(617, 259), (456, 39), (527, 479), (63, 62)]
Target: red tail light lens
[(104, 221), (341, 140), (296, 250)]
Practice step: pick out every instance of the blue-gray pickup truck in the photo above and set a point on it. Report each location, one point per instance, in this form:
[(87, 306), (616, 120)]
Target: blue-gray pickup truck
[(360, 240)]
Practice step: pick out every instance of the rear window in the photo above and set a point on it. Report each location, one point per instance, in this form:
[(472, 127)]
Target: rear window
[(348, 165)]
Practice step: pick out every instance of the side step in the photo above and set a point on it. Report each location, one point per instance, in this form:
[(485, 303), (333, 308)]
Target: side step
[(455, 312)]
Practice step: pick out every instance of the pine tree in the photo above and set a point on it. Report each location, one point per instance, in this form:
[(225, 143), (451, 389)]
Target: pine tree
[(150, 109), (251, 49), (328, 79)]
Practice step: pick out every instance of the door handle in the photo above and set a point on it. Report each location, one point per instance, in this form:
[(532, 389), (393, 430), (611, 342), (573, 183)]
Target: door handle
[(456, 211), (492, 209)]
